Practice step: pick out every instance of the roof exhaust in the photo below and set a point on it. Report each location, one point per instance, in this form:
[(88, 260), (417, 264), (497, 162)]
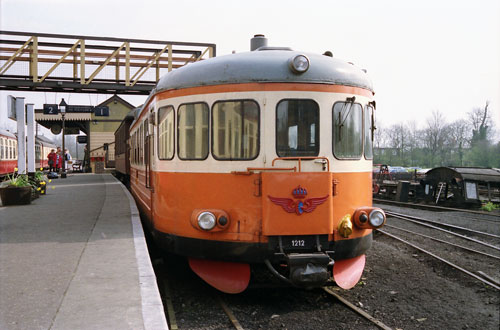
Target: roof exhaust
[(258, 40)]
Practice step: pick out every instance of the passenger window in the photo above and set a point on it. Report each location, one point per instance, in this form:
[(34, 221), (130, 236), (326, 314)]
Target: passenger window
[(297, 128), (368, 132), (235, 130), (347, 130), (166, 133), (193, 131)]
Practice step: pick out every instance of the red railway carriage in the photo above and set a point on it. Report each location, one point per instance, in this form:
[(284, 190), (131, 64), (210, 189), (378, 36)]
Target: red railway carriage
[(259, 157), (8, 152)]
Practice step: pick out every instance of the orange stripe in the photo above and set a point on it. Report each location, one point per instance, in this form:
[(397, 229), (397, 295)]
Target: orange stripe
[(257, 87), (265, 87)]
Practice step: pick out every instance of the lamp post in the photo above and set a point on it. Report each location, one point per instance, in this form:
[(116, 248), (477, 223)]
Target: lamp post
[(62, 108)]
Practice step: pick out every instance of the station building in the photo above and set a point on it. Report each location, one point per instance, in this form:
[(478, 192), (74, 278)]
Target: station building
[(98, 123)]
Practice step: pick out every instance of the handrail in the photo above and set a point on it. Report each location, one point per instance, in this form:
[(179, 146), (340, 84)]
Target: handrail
[(250, 170), (102, 147), (300, 160)]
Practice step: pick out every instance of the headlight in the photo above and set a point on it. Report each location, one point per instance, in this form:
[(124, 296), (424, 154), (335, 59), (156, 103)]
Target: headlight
[(299, 64), (206, 220), (376, 218)]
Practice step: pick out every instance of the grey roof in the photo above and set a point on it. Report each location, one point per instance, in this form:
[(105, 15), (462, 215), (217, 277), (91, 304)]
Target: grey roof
[(270, 65), (45, 139), (466, 173), (7, 133)]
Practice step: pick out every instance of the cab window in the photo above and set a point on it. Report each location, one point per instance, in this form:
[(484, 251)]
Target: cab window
[(235, 130), (193, 131), (368, 132), (297, 128), (347, 130)]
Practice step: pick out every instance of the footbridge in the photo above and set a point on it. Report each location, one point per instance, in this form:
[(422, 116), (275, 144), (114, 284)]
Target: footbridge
[(86, 64)]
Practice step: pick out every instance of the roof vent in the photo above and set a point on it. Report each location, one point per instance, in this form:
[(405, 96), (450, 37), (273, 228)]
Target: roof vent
[(258, 40)]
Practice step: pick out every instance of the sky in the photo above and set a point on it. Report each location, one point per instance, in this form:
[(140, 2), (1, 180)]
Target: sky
[(422, 56)]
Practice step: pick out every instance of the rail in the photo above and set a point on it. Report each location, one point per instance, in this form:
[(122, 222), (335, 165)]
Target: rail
[(485, 281), (411, 219)]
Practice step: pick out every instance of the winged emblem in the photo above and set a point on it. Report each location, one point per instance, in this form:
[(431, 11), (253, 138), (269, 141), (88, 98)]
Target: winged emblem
[(298, 206)]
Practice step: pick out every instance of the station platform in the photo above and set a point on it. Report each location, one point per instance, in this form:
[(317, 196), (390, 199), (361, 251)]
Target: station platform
[(77, 259)]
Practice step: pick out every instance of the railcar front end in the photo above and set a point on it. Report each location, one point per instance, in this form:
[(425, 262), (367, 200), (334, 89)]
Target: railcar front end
[(260, 157)]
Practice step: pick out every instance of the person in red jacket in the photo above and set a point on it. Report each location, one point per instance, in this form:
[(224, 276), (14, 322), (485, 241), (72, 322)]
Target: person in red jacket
[(52, 160)]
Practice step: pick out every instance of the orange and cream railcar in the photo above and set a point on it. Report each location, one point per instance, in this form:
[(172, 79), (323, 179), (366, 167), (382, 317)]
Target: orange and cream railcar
[(260, 157)]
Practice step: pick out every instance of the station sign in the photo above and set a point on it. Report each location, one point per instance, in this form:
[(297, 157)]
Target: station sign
[(80, 108), (53, 109), (50, 109), (81, 139), (11, 107)]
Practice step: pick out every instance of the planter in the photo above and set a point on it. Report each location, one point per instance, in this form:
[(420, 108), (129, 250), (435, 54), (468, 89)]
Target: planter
[(15, 195)]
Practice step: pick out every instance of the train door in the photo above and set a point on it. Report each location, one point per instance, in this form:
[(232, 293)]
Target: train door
[(147, 158), (147, 168)]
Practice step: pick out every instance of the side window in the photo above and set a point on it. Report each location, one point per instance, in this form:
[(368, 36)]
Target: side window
[(235, 130), (347, 130), (1, 148), (368, 132), (141, 143), (166, 132), (193, 131), (134, 149), (297, 128)]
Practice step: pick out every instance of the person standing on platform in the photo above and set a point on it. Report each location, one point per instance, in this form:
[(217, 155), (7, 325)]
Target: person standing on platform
[(67, 157), (59, 159), (52, 160)]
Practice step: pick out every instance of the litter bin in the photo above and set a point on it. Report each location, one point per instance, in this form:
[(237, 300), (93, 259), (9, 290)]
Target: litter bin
[(99, 167)]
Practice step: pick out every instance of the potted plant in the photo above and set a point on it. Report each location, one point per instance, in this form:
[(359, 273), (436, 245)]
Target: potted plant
[(16, 190), (39, 183)]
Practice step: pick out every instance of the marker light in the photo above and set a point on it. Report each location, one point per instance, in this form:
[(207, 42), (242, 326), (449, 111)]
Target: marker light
[(299, 64), (376, 218), (206, 220)]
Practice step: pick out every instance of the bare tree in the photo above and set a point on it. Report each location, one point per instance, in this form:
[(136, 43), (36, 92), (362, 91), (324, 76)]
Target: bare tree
[(397, 141), (414, 141), (481, 123), (379, 137), (434, 135), (459, 134)]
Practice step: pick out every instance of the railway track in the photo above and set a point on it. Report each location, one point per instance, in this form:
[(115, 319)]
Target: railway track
[(494, 217), (227, 319), (437, 226), (445, 242), (481, 258), (356, 309), (488, 281)]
